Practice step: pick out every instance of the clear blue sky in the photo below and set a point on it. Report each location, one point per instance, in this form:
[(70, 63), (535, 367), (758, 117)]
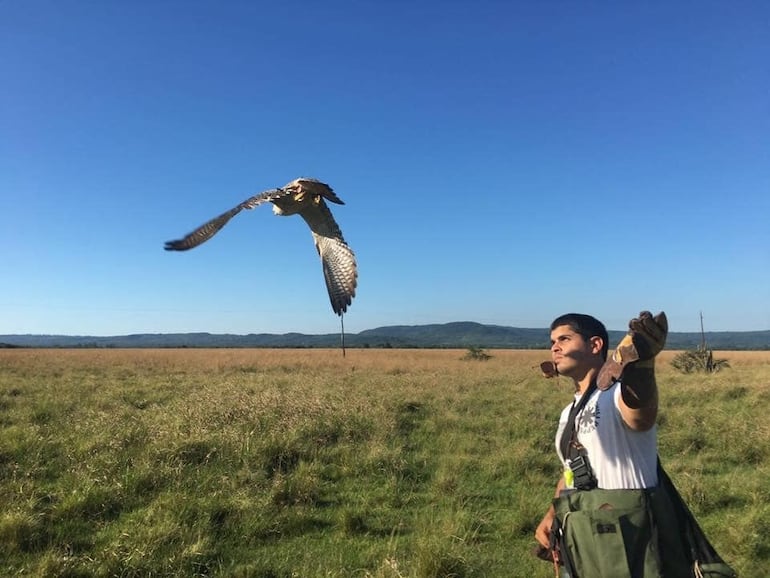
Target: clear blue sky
[(501, 162)]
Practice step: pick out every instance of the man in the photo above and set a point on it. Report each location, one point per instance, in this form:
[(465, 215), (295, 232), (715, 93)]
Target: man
[(607, 442)]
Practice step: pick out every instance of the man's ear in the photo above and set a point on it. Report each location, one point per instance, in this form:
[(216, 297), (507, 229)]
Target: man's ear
[(596, 344)]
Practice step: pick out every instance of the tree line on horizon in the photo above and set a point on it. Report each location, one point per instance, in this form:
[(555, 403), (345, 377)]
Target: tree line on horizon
[(439, 336)]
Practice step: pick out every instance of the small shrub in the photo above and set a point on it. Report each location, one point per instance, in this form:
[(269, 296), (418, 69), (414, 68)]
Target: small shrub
[(700, 359), (476, 354)]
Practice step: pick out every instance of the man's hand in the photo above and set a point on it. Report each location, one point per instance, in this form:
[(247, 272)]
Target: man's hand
[(543, 530), (645, 339)]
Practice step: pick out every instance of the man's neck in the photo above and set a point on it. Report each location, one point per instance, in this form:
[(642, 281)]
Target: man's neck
[(581, 385)]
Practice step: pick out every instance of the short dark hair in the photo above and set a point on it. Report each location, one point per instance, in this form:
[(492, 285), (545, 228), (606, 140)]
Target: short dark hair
[(585, 326)]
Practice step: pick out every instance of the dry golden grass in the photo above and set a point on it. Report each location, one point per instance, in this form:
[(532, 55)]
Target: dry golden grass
[(217, 359), (381, 360)]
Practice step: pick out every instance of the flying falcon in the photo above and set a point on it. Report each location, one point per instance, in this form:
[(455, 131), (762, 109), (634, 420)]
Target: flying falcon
[(305, 197)]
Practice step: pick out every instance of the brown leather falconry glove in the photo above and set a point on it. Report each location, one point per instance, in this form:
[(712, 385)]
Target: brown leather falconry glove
[(635, 354)]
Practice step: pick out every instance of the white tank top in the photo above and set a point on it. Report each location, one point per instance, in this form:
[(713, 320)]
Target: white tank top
[(620, 457)]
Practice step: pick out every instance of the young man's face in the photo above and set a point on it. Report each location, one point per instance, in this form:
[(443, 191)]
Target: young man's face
[(572, 354)]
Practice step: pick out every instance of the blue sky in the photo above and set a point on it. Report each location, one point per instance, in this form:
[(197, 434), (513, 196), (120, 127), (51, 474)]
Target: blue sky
[(501, 162)]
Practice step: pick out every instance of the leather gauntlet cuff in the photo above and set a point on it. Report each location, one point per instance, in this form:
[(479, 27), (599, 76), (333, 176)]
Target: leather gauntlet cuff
[(638, 386)]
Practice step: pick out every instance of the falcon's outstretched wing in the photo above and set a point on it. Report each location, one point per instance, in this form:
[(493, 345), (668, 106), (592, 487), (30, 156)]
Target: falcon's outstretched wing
[(212, 227), (337, 259)]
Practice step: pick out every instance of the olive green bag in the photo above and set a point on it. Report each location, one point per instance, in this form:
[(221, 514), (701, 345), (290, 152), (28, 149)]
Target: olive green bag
[(633, 534), (607, 534)]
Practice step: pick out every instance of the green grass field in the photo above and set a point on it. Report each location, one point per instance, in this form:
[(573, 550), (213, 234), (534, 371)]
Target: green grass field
[(302, 463)]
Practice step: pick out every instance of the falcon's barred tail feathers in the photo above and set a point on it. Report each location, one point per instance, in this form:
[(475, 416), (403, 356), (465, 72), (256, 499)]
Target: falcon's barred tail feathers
[(303, 196)]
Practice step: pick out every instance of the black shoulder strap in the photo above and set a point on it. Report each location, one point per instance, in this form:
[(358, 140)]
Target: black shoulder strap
[(569, 430)]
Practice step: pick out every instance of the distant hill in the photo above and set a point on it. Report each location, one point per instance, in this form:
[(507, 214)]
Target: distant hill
[(461, 334)]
